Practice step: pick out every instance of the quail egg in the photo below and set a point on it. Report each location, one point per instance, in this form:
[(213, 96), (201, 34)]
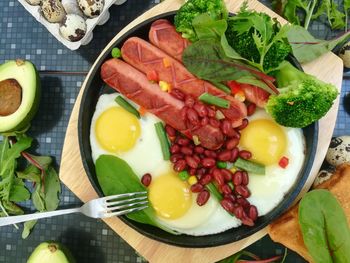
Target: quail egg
[(322, 176), (71, 7), (73, 27), (53, 10), (339, 151), (344, 54), (91, 8), (34, 2)]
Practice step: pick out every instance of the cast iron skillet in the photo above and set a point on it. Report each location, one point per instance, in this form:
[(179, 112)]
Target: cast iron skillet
[(95, 87)]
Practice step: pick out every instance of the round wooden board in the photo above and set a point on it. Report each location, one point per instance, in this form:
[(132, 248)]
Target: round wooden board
[(329, 68)]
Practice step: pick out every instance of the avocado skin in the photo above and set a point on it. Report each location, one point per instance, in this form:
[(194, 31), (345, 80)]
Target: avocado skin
[(23, 122), (43, 253)]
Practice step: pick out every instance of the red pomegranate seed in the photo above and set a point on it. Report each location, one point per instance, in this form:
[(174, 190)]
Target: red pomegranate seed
[(227, 205), (226, 189), (199, 149), (180, 165), (205, 179), (196, 188), (204, 121), (201, 171), (243, 202), (227, 174), (251, 109), (211, 113), (234, 154), (218, 177), (237, 178), (183, 112), (192, 116), (230, 197), (243, 125), (208, 162), (214, 122), (191, 162), (192, 171), (238, 211), (210, 154), (170, 130), (201, 109), (203, 197), (186, 150), (189, 101), (175, 157), (146, 179), (245, 178), (226, 127), (224, 155), (253, 212), (245, 154), (232, 143), (246, 220), (175, 148), (183, 141), (196, 158), (177, 94), (242, 191)]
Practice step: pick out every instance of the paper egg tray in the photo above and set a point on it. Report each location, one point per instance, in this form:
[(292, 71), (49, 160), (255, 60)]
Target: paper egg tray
[(53, 28)]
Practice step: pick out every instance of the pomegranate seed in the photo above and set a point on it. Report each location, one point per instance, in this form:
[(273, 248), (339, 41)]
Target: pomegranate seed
[(226, 189), (208, 162), (230, 197), (218, 177), (175, 157), (251, 109), (196, 188), (201, 109), (243, 202), (237, 178), (242, 190), (183, 112), (177, 94), (146, 179), (234, 154), (243, 125), (214, 122), (211, 113), (227, 205), (204, 121), (199, 149), (203, 197), (225, 155), (192, 116), (170, 130), (205, 179), (245, 178), (238, 211), (189, 101), (180, 165), (227, 174), (210, 154), (186, 150), (175, 148), (253, 212), (183, 141), (201, 171), (245, 154), (192, 171), (226, 127), (191, 162), (196, 158), (246, 220), (232, 143)]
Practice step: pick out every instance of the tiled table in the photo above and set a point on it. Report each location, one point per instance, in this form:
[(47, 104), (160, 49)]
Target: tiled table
[(89, 240)]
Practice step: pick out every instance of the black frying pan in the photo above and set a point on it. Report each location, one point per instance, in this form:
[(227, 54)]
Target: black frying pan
[(95, 87)]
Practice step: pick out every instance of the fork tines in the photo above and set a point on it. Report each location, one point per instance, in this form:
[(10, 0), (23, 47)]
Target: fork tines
[(121, 204)]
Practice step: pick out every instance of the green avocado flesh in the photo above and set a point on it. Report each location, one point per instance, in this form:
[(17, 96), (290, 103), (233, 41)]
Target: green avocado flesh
[(19, 94), (52, 252)]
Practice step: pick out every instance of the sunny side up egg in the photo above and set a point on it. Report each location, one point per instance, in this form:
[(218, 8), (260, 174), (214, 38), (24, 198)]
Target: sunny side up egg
[(115, 131), (269, 142)]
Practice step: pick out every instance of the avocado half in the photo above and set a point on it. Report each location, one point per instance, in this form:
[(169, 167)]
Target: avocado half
[(51, 252), (19, 94)]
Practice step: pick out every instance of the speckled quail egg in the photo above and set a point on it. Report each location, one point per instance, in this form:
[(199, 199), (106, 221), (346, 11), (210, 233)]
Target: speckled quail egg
[(71, 7), (34, 2), (73, 27), (91, 8), (322, 176), (344, 54), (53, 10), (339, 151)]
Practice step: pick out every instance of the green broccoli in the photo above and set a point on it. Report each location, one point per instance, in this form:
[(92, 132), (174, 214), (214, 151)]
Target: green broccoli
[(303, 98), (183, 18)]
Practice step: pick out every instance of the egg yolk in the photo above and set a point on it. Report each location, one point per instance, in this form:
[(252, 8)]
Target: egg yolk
[(169, 196), (266, 141), (117, 130)]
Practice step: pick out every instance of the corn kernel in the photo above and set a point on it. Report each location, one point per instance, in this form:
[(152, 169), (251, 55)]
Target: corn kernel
[(233, 169), (240, 96), (164, 86), (192, 180)]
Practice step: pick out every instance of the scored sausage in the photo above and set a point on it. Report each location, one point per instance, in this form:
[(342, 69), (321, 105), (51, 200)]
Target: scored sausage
[(135, 86), (148, 58)]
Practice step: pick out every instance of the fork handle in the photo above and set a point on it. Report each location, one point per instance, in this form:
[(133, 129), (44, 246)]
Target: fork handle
[(9, 220)]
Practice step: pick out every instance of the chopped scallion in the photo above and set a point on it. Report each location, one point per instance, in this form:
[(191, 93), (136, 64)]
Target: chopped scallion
[(163, 139), (215, 192), (127, 106), (249, 166), (213, 100)]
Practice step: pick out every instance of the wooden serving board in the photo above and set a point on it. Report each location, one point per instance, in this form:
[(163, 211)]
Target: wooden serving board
[(329, 68)]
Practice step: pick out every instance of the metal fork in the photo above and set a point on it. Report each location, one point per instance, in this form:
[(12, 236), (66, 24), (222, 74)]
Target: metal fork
[(114, 205)]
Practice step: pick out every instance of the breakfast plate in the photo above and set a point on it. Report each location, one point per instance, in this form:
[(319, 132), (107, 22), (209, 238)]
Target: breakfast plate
[(133, 238)]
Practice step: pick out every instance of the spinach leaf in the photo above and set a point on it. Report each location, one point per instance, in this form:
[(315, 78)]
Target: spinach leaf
[(18, 192), (307, 48), (206, 27), (52, 189), (30, 173), (115, 176), (27, 228), (324, 227)]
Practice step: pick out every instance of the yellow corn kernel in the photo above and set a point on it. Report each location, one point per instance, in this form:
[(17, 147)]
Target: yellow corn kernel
[(240, 96), (192, 180), (164, 86), (166, 62), (233, 169)]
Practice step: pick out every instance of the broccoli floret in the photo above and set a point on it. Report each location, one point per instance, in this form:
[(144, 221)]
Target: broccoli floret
[(183, 18), (303, 99)]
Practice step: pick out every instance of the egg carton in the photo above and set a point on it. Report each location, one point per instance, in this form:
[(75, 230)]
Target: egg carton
[(53, 28)]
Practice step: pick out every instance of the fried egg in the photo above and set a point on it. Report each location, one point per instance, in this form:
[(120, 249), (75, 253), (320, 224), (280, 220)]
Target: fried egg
[(269, 142)]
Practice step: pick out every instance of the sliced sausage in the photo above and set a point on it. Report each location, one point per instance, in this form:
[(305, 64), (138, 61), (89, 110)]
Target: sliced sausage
[(148, 58), (135, 86), (164, 36)]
